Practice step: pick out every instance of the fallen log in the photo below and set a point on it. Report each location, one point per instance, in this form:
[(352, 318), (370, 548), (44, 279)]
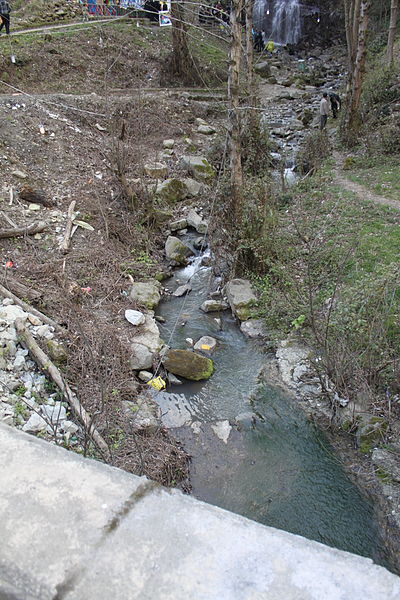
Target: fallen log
[(30, 230), (68, 230), (44, 362), (15, 286), (28, 308)]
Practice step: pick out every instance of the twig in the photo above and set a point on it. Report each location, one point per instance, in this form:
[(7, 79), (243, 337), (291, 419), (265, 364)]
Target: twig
[(28, 308), (68, 230), (52, 371), (30, 230), (7, 218)]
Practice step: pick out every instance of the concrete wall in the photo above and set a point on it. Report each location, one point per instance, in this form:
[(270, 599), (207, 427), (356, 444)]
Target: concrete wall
[(76, 529)]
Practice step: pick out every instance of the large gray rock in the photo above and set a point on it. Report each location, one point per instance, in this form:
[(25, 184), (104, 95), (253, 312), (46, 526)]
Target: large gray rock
[(177, 250), (253, 328), (241, 298), (263, 69), (177, 225), (145, 344), (194, 188), (172, 190), (213, 305), (135, 317), (206, 344), (146, 293), (156, 170), (194, 220), (141, 357), (205, 129), (199, 168), (188, 364)]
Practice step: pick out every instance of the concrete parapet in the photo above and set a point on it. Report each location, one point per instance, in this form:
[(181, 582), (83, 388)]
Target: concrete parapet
[(75, 529)]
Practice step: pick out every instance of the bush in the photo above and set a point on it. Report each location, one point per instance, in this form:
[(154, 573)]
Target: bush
[(313, 152)]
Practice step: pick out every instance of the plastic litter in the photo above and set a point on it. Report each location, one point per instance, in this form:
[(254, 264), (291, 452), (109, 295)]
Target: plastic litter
[(157, 383)]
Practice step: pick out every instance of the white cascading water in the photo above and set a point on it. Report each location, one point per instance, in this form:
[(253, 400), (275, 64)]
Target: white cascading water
[(280, 19)]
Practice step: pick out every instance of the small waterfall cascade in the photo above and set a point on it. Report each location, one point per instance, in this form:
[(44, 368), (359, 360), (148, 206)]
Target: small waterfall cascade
[(279, 19)]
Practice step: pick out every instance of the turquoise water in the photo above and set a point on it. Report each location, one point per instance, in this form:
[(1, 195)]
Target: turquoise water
[(280, 471)]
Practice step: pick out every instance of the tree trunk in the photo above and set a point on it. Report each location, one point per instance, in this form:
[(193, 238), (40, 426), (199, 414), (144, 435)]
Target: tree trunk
[(249, 50), (353, 118), (392, 31), (233, 104), (182, 61)]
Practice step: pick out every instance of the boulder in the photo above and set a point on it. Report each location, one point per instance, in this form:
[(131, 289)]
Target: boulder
[(135, 317), (177, 225), (35, 424), (141, 357), (149, 335), (194, 188), (177, 250), (168, 144), (146, 293), (188, 364), (241, 298), (57, 351), (194, 220), (206, 344), (172, 190), (253, 328), (145, 345), (199, 168), (213, 305), (263, 69), (182, 289), (205, 129), (156, 170)]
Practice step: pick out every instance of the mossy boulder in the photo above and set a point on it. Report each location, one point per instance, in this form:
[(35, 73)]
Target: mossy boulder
[(188, 364), (146, 293), (263, 69), (172, 190), (241, 298), (57, 351), (370, 432), (199, 168), (177, 250)]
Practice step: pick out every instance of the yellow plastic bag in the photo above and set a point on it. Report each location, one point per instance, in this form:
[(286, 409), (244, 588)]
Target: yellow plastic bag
[(157, 383)]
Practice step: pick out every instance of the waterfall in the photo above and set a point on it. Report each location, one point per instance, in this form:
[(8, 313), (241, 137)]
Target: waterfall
[(280, 19)]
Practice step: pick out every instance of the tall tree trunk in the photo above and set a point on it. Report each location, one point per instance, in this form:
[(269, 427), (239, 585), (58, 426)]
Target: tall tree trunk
[(353, 116), (233, 103), (392, 30), (182, 61), (249, 50)]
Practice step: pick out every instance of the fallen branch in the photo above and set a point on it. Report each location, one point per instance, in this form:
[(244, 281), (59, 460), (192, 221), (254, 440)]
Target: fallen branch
[(68, 230), (28, 308), (21, 289), (44, 362), (30, 230)]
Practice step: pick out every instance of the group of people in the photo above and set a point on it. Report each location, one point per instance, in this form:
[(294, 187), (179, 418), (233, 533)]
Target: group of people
[(5, 10), (215, 14), (260, 42), (329, 102)]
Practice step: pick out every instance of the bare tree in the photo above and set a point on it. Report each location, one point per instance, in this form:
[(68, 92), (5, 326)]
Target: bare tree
[(233, 103), (182, 61), (394, 6), (357, 13)]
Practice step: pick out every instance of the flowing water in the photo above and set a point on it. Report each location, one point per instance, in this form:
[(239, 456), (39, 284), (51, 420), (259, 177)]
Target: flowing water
[(279, 19), (275, 467)]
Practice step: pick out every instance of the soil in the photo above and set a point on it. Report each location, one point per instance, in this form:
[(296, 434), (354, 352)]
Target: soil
[(55, 148)]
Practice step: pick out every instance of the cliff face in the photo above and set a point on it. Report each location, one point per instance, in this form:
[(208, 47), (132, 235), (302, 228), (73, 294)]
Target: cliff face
[(322, 22)]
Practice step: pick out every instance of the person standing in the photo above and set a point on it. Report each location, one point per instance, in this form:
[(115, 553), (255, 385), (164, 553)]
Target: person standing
[(5, 10), (323, 111), (335, 104)]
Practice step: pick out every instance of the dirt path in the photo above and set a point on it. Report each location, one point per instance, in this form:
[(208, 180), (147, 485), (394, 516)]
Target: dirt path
[(45, 28), (358, 189)]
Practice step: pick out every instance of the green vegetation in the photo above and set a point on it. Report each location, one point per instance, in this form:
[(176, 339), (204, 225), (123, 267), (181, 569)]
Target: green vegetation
[(380, 174)]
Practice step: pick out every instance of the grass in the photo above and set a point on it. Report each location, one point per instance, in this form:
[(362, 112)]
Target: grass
[(380, 175)]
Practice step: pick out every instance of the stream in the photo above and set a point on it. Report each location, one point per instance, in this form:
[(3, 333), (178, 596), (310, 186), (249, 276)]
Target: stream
[(275, 467)]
